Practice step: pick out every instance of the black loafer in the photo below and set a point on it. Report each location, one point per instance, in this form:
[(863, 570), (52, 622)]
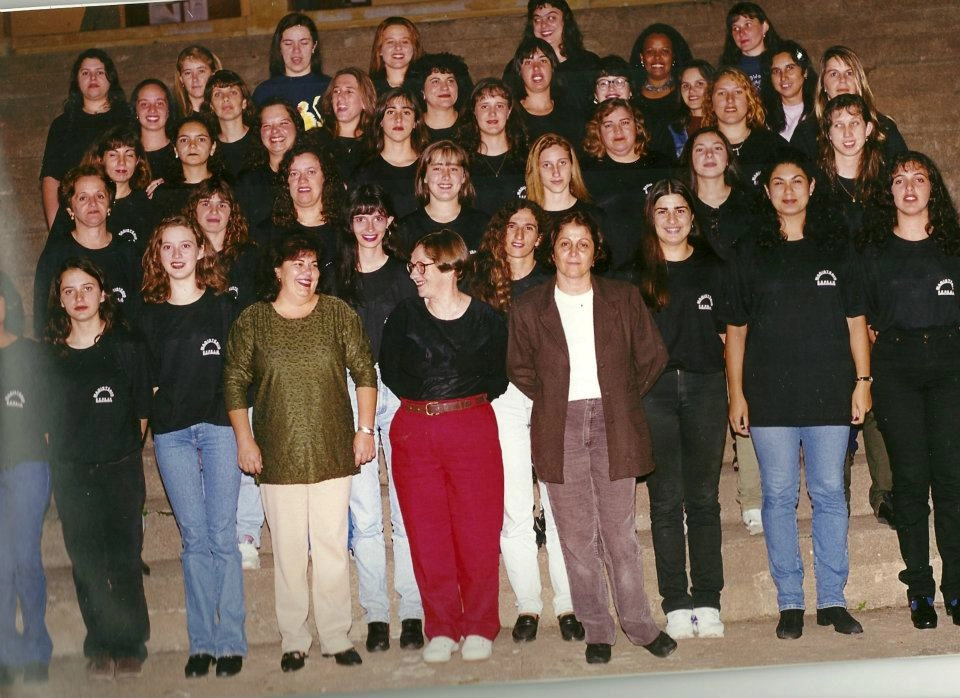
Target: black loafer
[(790, 626), (293, 661), (411, 634), (198, 665), (378, 637), (922, 612), (525, 629), (347, 657), (570, 628), (229, 666), (597, 653), (662, 646), (840, 619)]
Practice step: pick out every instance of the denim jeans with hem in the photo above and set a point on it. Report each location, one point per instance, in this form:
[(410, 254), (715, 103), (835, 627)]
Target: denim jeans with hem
[(201, 475), (824, 450), (366, 519), (687, 415), (24, 497)]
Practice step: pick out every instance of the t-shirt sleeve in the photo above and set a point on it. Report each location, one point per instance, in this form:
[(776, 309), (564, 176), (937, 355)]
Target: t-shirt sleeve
[(734, 305)]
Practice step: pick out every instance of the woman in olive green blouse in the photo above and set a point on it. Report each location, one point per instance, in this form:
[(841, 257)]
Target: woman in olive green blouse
[(294, 349)]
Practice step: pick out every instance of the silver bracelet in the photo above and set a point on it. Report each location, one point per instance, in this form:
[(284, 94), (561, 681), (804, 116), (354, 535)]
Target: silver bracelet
[(367, 430)]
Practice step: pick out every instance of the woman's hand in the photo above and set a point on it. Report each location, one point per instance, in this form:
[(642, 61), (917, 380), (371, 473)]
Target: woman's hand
[(739, 416), (364, 448), (152, 187), (248, 455), (862, 402)]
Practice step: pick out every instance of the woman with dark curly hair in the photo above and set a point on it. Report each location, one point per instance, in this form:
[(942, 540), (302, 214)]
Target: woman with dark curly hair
[(396, 44), (443, 81), (749, 42), (348, 107), (789, 90), (911, 262), (798, 372)]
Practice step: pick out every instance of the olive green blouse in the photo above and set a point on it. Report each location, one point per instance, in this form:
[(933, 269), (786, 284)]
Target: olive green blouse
[(302, 418)]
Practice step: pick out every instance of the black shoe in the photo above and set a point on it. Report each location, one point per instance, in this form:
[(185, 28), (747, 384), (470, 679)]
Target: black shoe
[(347, 657), (922, 612), (36, 672), (952, 607), (198, 665), (662, 646), (293, 661), (525, 629), (378, 637), (411, 634), (229, 665), (597, 653), (840, 619), (570, 628), (790, 626), (885, 511)]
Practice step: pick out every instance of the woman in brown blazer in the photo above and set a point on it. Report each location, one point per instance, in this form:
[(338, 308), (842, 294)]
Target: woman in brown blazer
[(585, 350)]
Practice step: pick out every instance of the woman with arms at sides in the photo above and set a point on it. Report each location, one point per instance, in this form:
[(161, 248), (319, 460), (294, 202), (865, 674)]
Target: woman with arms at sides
[(659, 54), (585, 350), (24, 498), (680, 281), (798, 374), (156, 112), (98, 373), (348, 109), (86, 194), (196, 147), (95, 102), (295, 69), (395, 143), (445, 193), (396, 44), (227, 99), (195, 65), (261, 184), (443, 355), (736, 110), (911, 259), (619, 170), (294, 349), (185, 323), (695, 80), (492, 132), (373, 281), (506, 267), (443, 81), (789, 91), (750, 42)]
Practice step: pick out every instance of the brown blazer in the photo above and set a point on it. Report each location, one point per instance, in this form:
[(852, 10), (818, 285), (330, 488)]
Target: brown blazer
[(630, 358)]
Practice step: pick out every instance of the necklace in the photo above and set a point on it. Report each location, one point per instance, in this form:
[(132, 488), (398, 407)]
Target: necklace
[(486, 161), (851, 194), (657, 89)]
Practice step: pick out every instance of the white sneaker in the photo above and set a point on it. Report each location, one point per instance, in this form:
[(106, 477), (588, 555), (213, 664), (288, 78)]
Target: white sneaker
[(476, 648), (753, 522), (680, 624), (439, 649), (708, 623), (249, 557)]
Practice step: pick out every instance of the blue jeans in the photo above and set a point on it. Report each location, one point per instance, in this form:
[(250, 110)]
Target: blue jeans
[(366, 523), (824, 449), (202, 478), (24, 496)]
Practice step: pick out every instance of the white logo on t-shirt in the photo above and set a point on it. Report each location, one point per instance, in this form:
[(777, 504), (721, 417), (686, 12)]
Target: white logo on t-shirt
[(210, 347), (15, 399), (129, 233), (234, 291), (119, 294), (825, 277), (705, 302), (945, 287), (103, 395)]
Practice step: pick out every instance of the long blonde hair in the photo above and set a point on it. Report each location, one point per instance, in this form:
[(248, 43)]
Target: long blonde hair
[(578, 187)]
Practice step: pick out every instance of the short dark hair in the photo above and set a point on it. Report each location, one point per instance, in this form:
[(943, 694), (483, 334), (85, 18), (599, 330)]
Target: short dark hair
[(577, 216), (448, 63), (281, 250), (447, 249), (69, 183)]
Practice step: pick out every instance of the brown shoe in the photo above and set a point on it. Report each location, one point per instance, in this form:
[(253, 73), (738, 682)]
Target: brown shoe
[(101, 668), (129, 668)]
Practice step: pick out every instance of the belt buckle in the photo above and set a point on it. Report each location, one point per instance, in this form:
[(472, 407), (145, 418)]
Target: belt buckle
[(427, 410)]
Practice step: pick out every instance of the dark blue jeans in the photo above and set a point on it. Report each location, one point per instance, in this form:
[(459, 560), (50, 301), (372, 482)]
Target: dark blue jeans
[(916, 393), (687, 414)]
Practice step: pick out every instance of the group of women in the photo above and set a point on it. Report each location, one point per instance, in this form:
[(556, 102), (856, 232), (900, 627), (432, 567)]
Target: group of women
[(593, 267)]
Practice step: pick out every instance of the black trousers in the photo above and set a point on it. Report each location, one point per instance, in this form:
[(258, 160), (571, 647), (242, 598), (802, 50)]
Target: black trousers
[(100, 506), (916, 392)]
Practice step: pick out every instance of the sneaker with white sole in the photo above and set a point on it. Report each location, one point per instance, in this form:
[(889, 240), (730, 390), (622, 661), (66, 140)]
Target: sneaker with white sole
[(476, 648), (249, 556), (753, 522), (439, 649), (680, 624), (707, 622)]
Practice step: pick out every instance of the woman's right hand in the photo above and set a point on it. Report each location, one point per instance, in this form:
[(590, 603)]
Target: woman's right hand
[(739, 416), (248, 455)]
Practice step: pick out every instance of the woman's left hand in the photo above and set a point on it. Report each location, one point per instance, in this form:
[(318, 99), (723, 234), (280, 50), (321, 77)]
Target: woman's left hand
[(862, 402), (364, 448)]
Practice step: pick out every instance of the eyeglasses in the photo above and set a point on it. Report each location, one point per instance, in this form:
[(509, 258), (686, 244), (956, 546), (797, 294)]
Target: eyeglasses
[(605, 83), (419, 266)]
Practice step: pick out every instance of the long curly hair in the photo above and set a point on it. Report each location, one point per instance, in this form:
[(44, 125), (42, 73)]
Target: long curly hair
[(156, 283), (365, 200), (73, 105), (489, 278), (59, 323), (259, 156), (593, 142), (943, 225), (868, 181), (468, 131), (773, 103), (578, 188), (368, 100), (571, 39), (756, 114), (444, 63), (332, 194), (121, 137), (237, 235)]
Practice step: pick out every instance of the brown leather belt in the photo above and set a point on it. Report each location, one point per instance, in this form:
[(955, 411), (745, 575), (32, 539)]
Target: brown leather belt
[(435, 407)]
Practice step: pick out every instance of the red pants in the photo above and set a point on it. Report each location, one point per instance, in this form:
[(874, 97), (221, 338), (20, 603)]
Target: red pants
[(448, 473)]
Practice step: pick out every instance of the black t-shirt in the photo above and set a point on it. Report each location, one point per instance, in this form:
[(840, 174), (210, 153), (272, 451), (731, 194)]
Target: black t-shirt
[(170, 198), (186, 347), (497, 179), (379, 293), (469, 224), (595, 212), (256, 191), (735, 219), (910, 285), (98, 397), (795, 299), (397, 182), (566, 119), (131, 218), (537, 276), (442, 134), (71, 134), (425, 358), (756, 153), (303, 93), (658, 114), (688, 323), (23, 404), (805, 138), (235, 156), (578, 75), (266, 234), (348, 153), (241, 276), (164, 163)]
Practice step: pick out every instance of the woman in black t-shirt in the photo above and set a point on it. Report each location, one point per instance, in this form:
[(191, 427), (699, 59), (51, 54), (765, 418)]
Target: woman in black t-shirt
[(98, 373), (156, 113), (443, 80), (196, 148), (227, 100), (348, 108), (911, 264), (185, 323), (686, 411)]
